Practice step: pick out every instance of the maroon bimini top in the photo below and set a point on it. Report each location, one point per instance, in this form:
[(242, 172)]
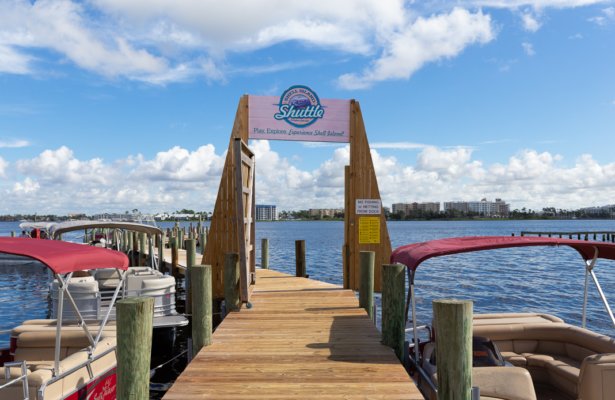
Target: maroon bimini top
[(64, 257), (412, 255)]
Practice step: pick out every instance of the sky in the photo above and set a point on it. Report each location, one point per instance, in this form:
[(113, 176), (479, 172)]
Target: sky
[(112, 105)]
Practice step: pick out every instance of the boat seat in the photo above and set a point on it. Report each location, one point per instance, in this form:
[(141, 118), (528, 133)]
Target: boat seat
[(502, 383), (553, 353)]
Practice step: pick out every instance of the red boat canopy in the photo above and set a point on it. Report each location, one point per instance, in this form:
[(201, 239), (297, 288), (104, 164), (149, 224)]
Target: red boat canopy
[(412, 255), (64, 257)]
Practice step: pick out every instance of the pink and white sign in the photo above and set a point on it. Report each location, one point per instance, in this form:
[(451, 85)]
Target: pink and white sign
[(298, 114)]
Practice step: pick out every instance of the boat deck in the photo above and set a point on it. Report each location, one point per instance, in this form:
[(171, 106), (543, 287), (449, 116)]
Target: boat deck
[(302, 339)]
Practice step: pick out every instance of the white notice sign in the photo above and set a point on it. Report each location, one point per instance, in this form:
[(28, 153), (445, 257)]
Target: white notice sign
[(368, 207)]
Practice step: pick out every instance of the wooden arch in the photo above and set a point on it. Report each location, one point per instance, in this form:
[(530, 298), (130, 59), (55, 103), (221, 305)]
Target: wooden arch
[(232, 227)]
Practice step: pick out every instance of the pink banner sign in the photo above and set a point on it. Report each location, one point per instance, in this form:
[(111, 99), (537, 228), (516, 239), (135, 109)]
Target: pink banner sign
[(298, 114)]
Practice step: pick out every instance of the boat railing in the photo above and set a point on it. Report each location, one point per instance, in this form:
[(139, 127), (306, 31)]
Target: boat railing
[(87, 364), (23, 377)]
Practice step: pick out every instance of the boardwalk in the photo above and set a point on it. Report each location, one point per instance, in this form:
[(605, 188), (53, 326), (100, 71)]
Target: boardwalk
[(302, 339)]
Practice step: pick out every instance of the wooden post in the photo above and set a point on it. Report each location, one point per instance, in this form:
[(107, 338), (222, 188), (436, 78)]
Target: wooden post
[(135, 248), (453, 326), (202, 241), (163, 239), (300, 269), (12, 233), (174, 259), (366, 289), (393, 305), (142, 247), (190, 262), (231, 282), (202, 303), (134, 346), (265, 253)]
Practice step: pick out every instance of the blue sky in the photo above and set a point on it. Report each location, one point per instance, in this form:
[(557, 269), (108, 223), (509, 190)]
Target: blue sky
[(109, 105)]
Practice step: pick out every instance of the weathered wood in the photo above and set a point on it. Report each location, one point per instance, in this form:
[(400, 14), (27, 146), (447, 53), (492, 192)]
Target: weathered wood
[(453, 326), (300, 267), (174, 258), (163, 240), (362, 184), (302, 339), (134, 346), (222, 236), (142, 249), (190, 262), (231, 282), (393, 318), (202, 326), (366, 291), (265, 253), (202, 242)]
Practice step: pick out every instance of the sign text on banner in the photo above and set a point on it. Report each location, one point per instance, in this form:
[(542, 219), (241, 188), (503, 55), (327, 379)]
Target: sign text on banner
[(298, 114)]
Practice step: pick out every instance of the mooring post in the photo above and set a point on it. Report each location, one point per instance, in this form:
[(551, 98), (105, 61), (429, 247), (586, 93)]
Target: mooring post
[(265, 253), (174, 258), (453, 327), (135, 248), (202, 241), (202, 303), (142, 247), (134, 346), (366, 290), (12, 233), (393, 304), (163, 239), (231, 282), (190, 262), (300, 258)]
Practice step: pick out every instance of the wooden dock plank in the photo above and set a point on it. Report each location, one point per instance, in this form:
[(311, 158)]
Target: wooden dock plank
[(302, 339)]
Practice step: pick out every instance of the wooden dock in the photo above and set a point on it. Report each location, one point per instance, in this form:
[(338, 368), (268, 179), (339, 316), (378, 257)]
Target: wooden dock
[(302, 339)]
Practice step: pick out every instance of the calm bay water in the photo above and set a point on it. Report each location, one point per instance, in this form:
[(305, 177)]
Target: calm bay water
[(513, 280)]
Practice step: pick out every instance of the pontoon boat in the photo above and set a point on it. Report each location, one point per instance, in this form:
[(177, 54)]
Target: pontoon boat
[(49, 359), (519, 356)]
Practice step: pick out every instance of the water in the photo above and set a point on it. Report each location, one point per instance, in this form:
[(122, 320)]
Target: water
[(540, 279)]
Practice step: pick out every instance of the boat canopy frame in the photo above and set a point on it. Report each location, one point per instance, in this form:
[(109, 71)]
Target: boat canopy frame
[(63, 259), (412, 255)]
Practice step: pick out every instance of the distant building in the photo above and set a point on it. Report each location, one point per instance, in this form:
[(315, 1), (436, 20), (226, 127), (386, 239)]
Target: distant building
[(325, 212), (265, 212), (497, 208), (411, 208)]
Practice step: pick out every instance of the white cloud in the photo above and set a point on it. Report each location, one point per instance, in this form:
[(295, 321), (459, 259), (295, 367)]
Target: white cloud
[(3, 166), (160, 42), (528, 48), (607, 16), (422, 41), (14, 143), (12, 61), (530, 21), (180, 165), (27, 187)]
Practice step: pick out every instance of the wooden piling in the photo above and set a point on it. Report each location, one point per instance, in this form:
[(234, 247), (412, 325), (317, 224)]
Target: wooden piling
[(134, 347), (453, 327), (202, 241), (366, 290), (202, 299), (135, 248), (163, 239), (300, 267), (393, 306), (12, 233), (265, 253), (190, 262), (231, 282), (174, 259), (142, 247)]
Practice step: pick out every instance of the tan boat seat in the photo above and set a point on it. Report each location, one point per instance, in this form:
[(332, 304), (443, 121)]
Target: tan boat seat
[(553, 353)]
